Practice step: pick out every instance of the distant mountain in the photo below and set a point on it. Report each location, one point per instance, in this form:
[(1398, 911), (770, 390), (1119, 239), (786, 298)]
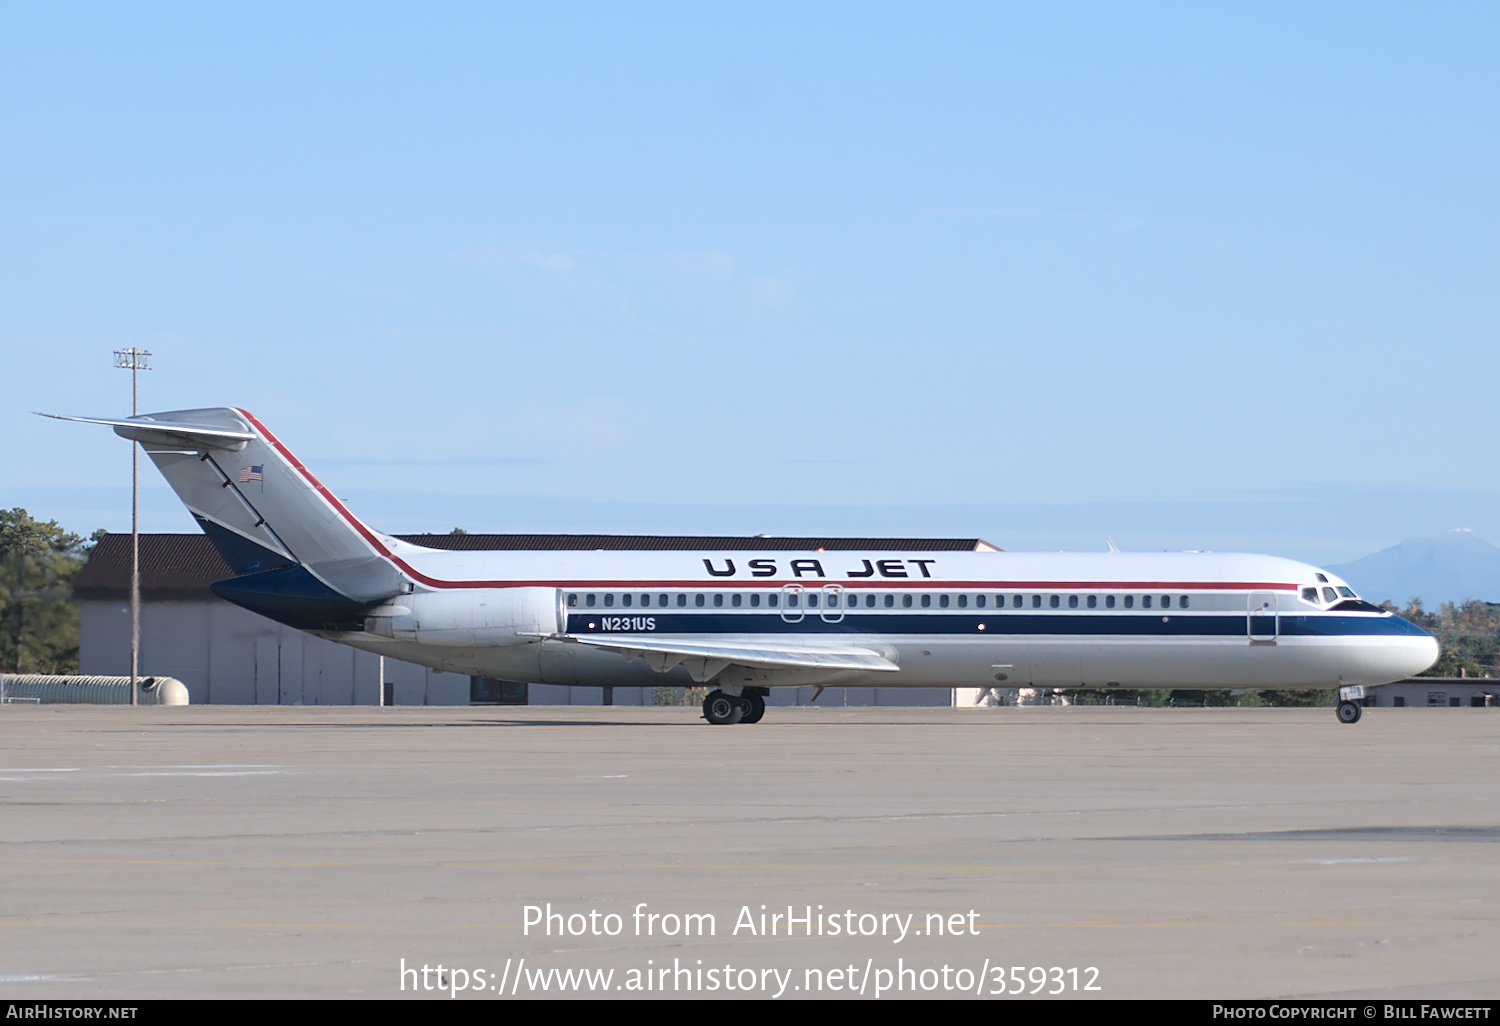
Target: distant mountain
[(1455, 566)]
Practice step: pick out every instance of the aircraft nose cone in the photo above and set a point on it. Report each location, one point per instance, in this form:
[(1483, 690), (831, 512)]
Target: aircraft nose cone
[(1422, 656), (1389, 659), (1409, 659)]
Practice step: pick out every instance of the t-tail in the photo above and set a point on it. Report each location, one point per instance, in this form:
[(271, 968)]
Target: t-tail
[(298, 555)]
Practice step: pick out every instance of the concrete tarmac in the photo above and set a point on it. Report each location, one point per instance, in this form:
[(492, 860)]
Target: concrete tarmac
[(299, 852)]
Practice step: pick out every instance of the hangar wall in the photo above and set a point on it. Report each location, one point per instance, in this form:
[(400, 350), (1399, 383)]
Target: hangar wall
[(230, 656)]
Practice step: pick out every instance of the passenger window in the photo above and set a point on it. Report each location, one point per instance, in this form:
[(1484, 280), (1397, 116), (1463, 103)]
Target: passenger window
[(1055, 602), (1109, 602), (869, 601), (1182, 602), (963, 602), (890, 601), (791, 601), (943, 601), (926, 601), (609, 599), (681, 600), (625, 599), (906, 601), (1166, 601), (1129, 601), (1072, 601), (697, 600), (661, 600), (1145, 601), (771, 600), (812, 602), (754, 601), (1093, 601), (719, 599), (573, 601), (1016, 601), (979, 601), (588, 600), (1036, 602)]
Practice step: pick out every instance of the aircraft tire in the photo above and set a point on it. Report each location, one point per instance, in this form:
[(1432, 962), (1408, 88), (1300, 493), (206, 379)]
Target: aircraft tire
[(755, 706), (719, 708), (1349, 712)]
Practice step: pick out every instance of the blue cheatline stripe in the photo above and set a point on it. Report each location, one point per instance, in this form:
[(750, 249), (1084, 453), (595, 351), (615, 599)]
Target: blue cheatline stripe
[(669, 621), (1362, 626)]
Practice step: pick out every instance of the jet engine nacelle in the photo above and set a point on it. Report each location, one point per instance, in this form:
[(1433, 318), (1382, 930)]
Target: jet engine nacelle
[(471, 617)]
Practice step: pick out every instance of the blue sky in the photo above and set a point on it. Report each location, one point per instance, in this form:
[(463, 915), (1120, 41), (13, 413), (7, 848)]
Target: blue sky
[(1194, 276)]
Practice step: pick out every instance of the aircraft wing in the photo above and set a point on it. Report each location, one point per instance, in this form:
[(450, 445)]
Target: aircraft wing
[(704, 659)]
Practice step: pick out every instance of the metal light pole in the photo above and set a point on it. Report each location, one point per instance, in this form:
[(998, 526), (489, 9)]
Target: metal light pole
[(134, 360)]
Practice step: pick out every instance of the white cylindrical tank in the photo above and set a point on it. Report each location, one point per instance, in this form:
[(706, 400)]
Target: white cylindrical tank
[(47, 689)]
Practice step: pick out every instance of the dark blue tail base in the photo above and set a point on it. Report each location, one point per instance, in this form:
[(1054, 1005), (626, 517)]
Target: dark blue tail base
[(293, 596), (243, 555)]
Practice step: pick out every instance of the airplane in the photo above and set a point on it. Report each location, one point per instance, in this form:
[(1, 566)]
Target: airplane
[(747, 621)]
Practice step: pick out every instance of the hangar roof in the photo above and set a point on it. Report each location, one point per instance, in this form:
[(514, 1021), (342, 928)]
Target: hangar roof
[(182, 566)]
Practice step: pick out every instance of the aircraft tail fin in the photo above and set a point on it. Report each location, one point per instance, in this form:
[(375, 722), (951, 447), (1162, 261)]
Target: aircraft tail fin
[(262, 509)]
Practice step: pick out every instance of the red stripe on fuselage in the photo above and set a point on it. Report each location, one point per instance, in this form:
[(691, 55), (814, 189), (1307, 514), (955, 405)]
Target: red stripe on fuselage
[(434, 582), (931, 584), (364, 531)]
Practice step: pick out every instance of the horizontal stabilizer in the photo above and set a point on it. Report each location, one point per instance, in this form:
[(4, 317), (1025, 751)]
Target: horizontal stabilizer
[(662, 653), (168, 434)]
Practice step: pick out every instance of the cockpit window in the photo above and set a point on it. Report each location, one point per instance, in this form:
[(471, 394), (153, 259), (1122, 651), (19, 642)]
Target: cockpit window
[(1347, 592), (1321, 578), (1310, 594), (1329, 595)]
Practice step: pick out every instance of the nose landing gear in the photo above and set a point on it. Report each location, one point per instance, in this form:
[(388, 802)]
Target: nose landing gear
[(1350, 707)]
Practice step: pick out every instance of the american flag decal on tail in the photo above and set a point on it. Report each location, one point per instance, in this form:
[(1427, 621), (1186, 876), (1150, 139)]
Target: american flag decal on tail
[(248, 474)]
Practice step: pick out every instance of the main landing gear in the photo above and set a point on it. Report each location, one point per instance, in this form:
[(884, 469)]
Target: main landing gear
[(1348, 712), (748, 707)]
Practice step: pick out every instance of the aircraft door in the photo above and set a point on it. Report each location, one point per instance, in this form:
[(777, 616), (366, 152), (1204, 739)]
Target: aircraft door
[(833, 603), (1262, 623), (792, 596)]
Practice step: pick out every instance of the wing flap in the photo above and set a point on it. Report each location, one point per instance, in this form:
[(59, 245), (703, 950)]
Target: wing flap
[(662, 653)]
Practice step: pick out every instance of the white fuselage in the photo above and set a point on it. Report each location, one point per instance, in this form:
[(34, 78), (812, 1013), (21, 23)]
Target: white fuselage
[(945, 619)]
